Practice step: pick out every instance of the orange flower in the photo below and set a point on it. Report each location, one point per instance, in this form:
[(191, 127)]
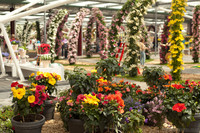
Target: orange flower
[(114, 85), (107, 89), (121, 81), (100, 89)]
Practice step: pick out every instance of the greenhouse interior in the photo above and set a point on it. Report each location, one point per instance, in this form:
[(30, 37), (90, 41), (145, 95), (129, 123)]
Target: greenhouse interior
[(99, 66)]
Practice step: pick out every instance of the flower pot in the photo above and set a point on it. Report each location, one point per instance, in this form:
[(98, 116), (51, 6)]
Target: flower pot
[(22, 53), (15, 47), (194, 126), (49, 108), (46, 63), (75, 126), (23, 60), (4, 59), (28, 127)]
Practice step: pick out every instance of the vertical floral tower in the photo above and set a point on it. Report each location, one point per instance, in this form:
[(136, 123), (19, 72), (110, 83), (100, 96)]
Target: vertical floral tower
[(176, 37), (196, 34), (146, 41)]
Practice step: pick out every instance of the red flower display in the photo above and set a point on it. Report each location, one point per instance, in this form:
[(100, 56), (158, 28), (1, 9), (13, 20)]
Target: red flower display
[(44, 48), (179, 107), (14, 84), (177, 86)]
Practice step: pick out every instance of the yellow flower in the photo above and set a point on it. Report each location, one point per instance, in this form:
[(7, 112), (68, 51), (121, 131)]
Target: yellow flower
[(38, 73), (33, 89), (32, 74), (91, 100), (20, 93), (59, 77), (46, 88), (31, 99), (52, 81), (94, 71), (13, 89), (33, 84)]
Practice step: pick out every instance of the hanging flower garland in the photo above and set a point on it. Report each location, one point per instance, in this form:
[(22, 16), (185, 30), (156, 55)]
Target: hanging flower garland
[(51, 16), (74, 34), (26, 32), (146, 41), (117, 20), (51, 33), (134, 20), (59, 35), (102, 30), (164, 49), (196, 34), (176, 38)]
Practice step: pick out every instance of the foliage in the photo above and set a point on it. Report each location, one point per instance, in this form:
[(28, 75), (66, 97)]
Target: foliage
[(81, 81), (155, 77), (27, 100), (195, 34), (74, 34), (102, 32), (134, 20), (46, 57), (47, 79), (154, 112), (176, 38), (109, 67), (59, 35), (6, 113), (180, 105), (133, 121), (1, 40), (116, 24)]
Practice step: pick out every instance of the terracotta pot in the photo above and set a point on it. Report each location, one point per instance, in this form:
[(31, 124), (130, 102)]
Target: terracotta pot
[(28, 127), (22, 53), (15, 47), (46, 63)]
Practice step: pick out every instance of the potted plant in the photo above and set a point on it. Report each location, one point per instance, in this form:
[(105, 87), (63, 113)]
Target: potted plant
[(46, 60), (5, 55), (180, 106), (50, 81), (28, 102), (15, 44), (22, 51), (44, 48)]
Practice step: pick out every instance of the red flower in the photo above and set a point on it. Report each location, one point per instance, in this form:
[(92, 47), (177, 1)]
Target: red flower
[(14, 84), (20, 85), (138, 91), (178, 86), (38, 77), (88, 74), (80, 97), (179, 107)]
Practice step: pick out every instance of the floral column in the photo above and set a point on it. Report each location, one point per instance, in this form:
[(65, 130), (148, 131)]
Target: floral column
[(196, 34), (176, 38)]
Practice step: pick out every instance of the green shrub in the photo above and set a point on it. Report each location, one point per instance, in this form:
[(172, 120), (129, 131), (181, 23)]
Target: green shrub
[(6, 113)]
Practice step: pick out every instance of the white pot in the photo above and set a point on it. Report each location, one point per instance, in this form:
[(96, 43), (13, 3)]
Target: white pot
[(23, 61), (4, 59), (22, 53), (15, 47), (46, 63)]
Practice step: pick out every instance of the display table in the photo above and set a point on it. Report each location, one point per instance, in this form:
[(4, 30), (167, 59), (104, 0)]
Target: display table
[(29, 68)]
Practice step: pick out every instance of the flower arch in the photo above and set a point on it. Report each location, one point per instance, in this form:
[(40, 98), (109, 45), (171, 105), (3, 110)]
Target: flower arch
[(74, 34), (116, 23), (59, 35), (102, 31), (53, 30), (196, 34), (134, 20)]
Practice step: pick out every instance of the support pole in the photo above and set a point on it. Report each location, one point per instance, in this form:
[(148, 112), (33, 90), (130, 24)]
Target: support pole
[(45, 28), (36, 10), (2, 64), (21, 76), (156, 40)]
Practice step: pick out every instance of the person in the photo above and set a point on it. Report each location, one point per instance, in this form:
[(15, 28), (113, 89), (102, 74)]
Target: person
[(142, 52), (64, 48)]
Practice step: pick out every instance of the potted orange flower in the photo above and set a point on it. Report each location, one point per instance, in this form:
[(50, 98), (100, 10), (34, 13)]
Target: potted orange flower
[(28, 103)]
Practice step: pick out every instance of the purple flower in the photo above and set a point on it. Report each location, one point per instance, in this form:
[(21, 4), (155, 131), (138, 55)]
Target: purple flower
[(130, 108), (146, 121), (127, 120)]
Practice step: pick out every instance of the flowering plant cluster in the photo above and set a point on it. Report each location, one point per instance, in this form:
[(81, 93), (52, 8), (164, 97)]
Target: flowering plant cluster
[(102, 30), (164, 49), (25, 35), (44, 48), (166, 33), (196, 34), (46, 57), (14, 42), (117, 20), (59, 35), (6, 114), (53, 27), (176, 38), (74, 34), (134, 20), (47, 79), (28, 100)]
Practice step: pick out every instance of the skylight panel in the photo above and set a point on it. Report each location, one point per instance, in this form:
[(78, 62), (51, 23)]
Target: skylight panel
[(85, 3)]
